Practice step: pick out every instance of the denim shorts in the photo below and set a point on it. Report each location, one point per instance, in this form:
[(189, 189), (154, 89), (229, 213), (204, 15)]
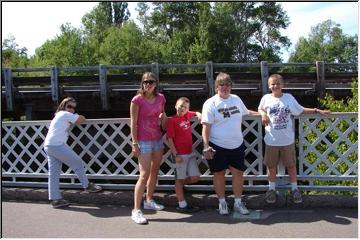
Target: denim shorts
[(151, 146)]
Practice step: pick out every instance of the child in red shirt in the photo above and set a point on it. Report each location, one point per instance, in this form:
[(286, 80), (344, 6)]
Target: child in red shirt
[(179, 136)]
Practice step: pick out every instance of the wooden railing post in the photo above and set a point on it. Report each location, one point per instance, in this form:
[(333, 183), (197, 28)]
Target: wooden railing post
[(9, 91), (54, 84), (104, 90), (155, 69), (320, 79), (264, 77), (209, 70)]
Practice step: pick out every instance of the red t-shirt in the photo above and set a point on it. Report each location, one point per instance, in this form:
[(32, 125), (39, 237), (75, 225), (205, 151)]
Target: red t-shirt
[(179, 129)]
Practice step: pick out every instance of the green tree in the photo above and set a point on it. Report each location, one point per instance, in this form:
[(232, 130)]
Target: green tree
[(326, 42), (121, 12), (97, 23), (64, 50), (249, 31), (126, 45), (12, 55), (200, 51), (143, 8)]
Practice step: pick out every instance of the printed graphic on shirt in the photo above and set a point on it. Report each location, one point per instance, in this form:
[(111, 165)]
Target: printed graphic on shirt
[(280, 116), (227, 112), (184, 124)]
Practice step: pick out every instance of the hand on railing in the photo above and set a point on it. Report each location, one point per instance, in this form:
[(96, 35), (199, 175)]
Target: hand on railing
[(322, 112)]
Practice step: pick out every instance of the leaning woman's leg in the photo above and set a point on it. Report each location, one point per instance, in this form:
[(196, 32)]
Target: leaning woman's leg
[(66, 155), (54, 174), (144, 168), (154, 171)]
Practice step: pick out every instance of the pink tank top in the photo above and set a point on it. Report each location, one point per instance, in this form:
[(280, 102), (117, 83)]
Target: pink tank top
[(148, 119)]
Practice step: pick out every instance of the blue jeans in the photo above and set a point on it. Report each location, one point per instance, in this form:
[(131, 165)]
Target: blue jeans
[(57, 155)]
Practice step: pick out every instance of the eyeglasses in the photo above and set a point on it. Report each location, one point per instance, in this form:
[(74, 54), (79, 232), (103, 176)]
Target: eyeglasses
[(151, 82), (225, 84), (70, 106)]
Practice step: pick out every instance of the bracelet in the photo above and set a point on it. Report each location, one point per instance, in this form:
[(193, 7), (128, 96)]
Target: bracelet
[(316, 110), (206, 149), (135, 143)]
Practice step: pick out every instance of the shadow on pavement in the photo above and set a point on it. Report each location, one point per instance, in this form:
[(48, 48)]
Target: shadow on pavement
[(100, 211), (336, 216), (266, 217)]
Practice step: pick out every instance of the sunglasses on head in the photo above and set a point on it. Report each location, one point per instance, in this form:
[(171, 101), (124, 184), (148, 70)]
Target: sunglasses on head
[(149, 82), (70, 106), (225, 84)]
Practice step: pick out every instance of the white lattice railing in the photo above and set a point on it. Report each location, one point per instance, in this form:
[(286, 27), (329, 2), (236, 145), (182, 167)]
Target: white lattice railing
[(105, 147)]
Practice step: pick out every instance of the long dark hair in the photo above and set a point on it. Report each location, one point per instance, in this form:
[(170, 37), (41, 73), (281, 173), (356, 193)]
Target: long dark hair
[(64, 102), (145, 76)]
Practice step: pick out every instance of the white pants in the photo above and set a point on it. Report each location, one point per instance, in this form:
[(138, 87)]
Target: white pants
[(57, 155)]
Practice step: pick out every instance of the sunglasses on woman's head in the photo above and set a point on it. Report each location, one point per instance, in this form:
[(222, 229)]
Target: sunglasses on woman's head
[(225, 84), (70, 106), (149, 82)]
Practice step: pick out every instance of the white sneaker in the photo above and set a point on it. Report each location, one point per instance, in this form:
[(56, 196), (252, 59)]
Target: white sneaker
[(223, 209), (240, 207), (138, 217), (152, 205)]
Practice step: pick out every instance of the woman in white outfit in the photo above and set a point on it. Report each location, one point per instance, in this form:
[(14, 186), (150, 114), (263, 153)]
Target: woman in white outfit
[(58, 152)]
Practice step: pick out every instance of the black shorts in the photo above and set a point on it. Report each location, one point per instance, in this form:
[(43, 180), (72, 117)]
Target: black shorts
[(223, 158)]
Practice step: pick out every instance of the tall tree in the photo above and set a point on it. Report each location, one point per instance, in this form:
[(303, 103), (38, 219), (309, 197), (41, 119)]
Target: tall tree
[(96, 23), (121, 13), (326, 42), (12, 55), (66, 49), (143, 15), (250, 31)]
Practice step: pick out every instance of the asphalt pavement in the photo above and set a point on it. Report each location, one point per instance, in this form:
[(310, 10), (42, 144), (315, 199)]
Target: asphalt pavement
[(39, 220)]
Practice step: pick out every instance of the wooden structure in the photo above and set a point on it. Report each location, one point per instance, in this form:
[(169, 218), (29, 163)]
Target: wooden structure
[(105, 91)]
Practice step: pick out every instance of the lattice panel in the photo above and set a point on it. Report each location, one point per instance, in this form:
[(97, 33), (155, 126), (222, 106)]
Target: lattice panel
[(105, 147), (328, 146), (22, 147)]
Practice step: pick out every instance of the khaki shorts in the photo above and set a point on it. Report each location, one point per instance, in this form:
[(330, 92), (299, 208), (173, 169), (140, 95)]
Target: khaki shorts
[(187, 168), (274, 154)]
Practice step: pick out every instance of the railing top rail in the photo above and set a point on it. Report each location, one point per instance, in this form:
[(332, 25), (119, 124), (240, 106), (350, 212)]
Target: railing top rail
[(236, 65), (334, 114), (30, 69), (291, 65), (86, 68), (341, 64), (128, 66), (177, 65)]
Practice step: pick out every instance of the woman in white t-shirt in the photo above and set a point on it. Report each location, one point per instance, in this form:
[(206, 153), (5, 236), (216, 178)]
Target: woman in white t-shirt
[(58, 152), (223, 141)]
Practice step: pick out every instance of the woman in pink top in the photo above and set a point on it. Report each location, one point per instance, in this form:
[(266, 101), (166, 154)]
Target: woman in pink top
[(146, 113)]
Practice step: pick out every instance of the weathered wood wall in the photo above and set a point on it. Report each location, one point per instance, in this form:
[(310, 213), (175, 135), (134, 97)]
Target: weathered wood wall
[(105, 91)]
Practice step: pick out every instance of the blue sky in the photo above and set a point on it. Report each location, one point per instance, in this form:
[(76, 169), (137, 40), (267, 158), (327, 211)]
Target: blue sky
[(41, 21)]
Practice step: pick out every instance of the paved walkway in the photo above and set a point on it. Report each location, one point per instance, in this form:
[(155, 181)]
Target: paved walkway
[(38, 219)]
